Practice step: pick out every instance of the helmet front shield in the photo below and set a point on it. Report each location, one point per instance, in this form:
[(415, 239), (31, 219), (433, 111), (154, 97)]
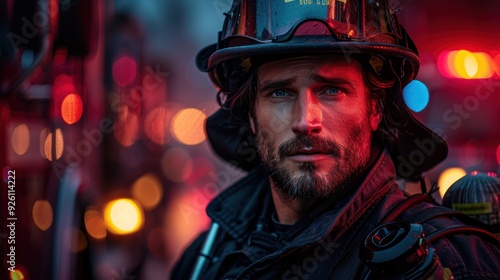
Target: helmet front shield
[(278, 20)]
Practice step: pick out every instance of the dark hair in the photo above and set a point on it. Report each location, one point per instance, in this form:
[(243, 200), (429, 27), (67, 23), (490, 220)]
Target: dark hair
[(384, 86)]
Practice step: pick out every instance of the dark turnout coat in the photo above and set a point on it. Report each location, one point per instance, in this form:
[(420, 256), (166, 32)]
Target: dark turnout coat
[(324, 243)]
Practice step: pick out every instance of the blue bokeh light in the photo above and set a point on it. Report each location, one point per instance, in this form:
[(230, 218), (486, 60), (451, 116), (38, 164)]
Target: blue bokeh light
[(416, 95)]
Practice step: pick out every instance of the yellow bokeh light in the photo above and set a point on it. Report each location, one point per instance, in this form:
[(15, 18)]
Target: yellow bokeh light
[(188, 126), (470, 64), (94, 223), (48, 146), (123, 216), (72, 108), (148, 191), (462, 61), (20, 139), (448, 177), (485, 65), (42, 214)]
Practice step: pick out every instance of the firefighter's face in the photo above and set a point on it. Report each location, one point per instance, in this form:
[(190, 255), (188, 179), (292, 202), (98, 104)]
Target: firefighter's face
[(314, 121)]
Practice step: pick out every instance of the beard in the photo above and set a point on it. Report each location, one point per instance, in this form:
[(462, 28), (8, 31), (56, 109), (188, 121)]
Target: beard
[(305, 181)]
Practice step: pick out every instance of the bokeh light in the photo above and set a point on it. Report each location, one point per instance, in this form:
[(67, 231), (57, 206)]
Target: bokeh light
[(485, 66), (188, 126), (123, 216), (176, 164), (60, 56), (56, 146), (416, 95), (498, 154), (496, 64), (16, 274), (94, 223), (464, 64), (77, 240), (42, 214), (20, 139), (155, 125), (63, 85), (148, 191), (448, 177), (124, 70), (43, 138), (126, 127), (72, 108)]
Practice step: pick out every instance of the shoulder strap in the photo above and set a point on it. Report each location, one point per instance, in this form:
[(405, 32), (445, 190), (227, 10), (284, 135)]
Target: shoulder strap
[(473, 225), (404, 205), (424, 215)]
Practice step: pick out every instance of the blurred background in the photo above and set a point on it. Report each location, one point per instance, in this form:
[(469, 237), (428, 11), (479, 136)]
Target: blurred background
[(102, 112)]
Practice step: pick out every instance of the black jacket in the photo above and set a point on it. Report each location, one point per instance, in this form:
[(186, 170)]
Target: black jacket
[(324, 243)]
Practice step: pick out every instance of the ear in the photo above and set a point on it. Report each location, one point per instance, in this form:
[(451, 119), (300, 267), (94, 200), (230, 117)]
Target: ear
[(375, 115)]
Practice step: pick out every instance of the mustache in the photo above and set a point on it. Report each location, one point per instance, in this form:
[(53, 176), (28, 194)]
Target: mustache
[(316, 143)]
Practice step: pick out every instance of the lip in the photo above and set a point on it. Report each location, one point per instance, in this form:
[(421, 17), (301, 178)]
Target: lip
[(309, 157)]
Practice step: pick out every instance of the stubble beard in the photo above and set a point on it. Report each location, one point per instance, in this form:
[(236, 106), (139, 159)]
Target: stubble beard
[(306, 183)]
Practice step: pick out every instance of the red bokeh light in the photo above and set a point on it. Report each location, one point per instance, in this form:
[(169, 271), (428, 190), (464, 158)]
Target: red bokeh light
[(124, 70)]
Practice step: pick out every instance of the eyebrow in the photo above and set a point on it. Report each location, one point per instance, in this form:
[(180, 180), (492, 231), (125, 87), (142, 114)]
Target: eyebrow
[(327, 80), (275, 84)]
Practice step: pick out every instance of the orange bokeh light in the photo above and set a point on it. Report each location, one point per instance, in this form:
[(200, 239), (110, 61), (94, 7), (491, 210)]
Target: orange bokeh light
[(188, 126), (94, 223), (20, 139), (155, 125), (148, 190), (72, 108), (42, 214), (126, 128), (51, 146)]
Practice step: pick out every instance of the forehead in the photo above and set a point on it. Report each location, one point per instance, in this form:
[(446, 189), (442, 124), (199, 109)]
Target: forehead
[(326, 65)]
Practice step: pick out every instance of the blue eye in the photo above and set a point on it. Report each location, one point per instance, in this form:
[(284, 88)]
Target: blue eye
[(332, 91), (279, 93)]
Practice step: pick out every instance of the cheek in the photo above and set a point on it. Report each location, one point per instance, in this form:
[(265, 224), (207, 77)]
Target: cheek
[(275, 119), (343, 127)]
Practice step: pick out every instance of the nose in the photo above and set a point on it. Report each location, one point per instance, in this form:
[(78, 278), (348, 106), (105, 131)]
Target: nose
[(307, 114)]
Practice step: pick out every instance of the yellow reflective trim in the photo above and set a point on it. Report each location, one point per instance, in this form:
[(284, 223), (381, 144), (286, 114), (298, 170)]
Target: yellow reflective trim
[(473, 208)]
